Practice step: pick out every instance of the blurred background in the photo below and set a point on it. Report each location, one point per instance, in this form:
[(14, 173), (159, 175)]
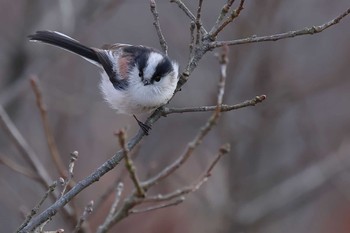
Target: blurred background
[(288, 170)]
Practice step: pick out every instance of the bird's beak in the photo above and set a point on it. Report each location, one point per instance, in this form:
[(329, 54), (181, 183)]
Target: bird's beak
[(146, 82)]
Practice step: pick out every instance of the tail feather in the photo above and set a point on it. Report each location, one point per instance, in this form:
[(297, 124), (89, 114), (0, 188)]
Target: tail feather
[(65, 42)]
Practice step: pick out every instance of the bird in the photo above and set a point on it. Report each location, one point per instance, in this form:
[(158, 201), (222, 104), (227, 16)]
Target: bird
[(135, 79)]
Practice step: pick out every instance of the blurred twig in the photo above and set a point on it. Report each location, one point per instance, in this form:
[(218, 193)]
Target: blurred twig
[(18, 168), (30, 156), (295, 189), (56, 158), (87, 211), (66, 182)]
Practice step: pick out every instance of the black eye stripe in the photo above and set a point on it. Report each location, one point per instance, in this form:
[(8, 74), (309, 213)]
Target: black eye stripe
[(164, 67)]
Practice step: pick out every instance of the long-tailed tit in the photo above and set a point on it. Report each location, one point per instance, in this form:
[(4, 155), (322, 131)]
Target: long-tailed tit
[(135, 79)]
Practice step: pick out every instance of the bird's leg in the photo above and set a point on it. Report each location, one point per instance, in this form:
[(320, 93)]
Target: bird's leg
[(143, 126)]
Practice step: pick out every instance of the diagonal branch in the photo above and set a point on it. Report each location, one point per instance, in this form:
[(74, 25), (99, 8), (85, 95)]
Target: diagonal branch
[(18, 168), (190, 15), (48, 132), (129, 164), (199, 22), (219, 26)]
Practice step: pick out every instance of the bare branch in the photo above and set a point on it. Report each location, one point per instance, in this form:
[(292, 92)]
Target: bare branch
[(156, 24), (224, 108), (18, 168), (87, 211), (192, 27), (36, 208), (113, 209), (199, 22), (29, 155), (292, 190), (218, 27), (34, 81), (306, 31), (225, 9), (156, 207), (130, 165), (66, 182), (24, 148), (190, 15), (224, 149)]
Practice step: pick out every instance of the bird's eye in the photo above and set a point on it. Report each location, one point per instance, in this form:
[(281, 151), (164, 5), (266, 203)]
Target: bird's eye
[(157, 78), (141, 74)]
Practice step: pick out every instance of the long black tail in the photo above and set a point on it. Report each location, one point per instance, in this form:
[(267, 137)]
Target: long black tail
[(65, 42)]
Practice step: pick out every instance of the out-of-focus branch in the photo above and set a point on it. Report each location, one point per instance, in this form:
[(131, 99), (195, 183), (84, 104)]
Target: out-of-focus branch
[(157, 207), (306, 31), (24, 148), (30, 156), (156, 24), (18, 168), (66, 182), (56, 158), (113, 210), (294, 189), (224, 149), (87, 211)]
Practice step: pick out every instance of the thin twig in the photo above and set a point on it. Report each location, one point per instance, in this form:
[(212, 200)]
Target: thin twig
[(224, 108), (129, 164), (199, 22), (224, 149), (73, 157), (87, 211), (225, 9), (118, 192), (219, 27), (24, 148), (157, 207), (18, 168), (306, 31), (104, 197), (192, 27), (36, 208), (156, 24), (190, 15), (56, 158)]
